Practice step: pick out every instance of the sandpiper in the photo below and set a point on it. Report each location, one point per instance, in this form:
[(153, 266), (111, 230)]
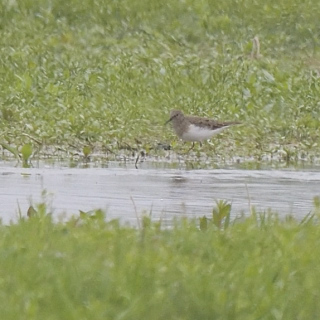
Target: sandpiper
[(196, 129)]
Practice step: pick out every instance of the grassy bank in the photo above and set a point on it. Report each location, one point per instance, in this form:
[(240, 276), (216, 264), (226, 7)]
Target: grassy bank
[(259, 268), (104, 75)]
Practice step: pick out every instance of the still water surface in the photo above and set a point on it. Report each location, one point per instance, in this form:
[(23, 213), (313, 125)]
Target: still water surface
[(165, 193)]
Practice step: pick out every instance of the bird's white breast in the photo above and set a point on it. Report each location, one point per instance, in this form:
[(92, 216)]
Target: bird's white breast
[(195, 133)]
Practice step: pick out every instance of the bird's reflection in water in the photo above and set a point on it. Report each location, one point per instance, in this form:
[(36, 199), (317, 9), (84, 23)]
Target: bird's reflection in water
[(177, 179)]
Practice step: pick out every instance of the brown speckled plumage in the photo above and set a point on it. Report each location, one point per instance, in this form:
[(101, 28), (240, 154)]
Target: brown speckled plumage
[(182, 123)]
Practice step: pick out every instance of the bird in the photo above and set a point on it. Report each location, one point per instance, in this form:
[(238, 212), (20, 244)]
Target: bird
[(255, 53), (196, 129)]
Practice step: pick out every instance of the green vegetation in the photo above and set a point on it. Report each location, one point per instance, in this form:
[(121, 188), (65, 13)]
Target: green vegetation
[(251, 268), (98, 76)]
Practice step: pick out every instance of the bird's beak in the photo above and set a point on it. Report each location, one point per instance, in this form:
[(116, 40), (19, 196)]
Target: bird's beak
[(168, 121)]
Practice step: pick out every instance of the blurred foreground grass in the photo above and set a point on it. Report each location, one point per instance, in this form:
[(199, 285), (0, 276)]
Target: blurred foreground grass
[(254, 268), (105, 74)]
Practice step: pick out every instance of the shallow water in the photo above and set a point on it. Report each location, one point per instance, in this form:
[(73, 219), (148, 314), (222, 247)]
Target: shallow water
[(163, 193)]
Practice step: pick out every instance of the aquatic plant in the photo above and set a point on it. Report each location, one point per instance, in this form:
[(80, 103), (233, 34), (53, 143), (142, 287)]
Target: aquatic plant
[(88, 267), (106, 75)]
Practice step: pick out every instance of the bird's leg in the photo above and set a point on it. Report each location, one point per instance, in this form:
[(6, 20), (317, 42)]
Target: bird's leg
[(191, 147)]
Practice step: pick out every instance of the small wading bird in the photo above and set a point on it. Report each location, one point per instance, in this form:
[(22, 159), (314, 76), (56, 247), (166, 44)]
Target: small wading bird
[(196, 129), (255, 53)]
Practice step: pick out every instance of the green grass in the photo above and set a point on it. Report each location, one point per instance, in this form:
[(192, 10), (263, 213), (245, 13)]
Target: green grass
[(102, 76), (105, 74), (254, 268)]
